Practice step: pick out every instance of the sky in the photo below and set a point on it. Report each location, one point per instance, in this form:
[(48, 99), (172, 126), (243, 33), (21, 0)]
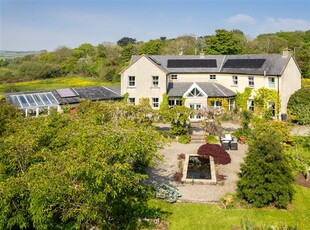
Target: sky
[(34, 25)]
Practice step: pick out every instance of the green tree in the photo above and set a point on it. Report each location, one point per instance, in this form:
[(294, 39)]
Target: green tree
[(265, 176), (151, 47), (77, 172), (126, 41), (223, 42)]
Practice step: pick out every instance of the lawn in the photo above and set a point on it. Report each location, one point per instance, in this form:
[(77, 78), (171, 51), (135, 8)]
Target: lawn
[(53, 83), (207, 216)]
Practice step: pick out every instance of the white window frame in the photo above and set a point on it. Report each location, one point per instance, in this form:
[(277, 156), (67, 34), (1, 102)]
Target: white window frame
[(195, 107), (212, 77), (251, 81), (132, 100), (216, 104), (271, 82), (131, 81), (231, 104), (173, 77), (174, 101), (251, 104), (272, 105), (234, 80), (155, 81), (155, 102)]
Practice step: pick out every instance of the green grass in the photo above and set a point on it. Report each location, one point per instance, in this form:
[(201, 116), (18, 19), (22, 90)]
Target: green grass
[(206, 216), (49, 84)]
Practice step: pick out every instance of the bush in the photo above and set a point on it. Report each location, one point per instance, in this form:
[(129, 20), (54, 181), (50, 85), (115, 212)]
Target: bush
[(211, 139), (216, 151), (299, 106), (184, 139)]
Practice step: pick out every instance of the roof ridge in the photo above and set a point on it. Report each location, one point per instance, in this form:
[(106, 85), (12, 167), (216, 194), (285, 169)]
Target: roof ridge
[(109, 89), (219, 89)]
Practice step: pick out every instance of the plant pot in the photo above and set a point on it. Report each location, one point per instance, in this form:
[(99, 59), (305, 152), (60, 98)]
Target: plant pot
[(242, 140)]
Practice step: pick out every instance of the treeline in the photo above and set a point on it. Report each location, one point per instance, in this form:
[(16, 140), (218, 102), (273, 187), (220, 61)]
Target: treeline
[(106, 60)]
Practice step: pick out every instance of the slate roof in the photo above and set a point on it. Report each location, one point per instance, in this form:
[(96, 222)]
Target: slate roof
[(211, 89), (274, 64), (93, 93)]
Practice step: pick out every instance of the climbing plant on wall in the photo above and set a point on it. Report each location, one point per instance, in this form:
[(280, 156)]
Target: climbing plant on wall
[(242, 98), (224, 102), (263, 97)]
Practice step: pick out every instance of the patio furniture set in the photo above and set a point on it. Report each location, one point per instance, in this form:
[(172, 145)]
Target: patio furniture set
[(228, 142)]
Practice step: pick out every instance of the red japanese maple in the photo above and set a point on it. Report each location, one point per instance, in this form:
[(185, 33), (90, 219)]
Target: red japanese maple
[(216, 151)]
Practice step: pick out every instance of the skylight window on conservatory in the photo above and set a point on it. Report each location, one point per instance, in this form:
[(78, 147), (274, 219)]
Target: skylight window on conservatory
[(34, 100)]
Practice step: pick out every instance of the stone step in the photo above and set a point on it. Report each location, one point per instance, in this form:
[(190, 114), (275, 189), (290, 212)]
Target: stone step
[(197, 138)]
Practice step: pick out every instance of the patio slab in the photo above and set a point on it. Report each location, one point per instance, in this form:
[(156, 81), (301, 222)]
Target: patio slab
[(163, 173)]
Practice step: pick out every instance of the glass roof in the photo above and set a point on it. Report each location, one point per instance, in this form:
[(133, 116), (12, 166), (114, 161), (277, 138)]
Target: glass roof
[(34, 100)]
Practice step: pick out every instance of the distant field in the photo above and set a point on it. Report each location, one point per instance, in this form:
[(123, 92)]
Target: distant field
[(54, 83), (14, 54)]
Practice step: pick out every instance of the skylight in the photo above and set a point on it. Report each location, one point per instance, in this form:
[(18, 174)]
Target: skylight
[(34, 100)]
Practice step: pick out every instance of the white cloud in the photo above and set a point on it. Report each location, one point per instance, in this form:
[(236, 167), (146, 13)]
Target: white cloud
[(241, 19)]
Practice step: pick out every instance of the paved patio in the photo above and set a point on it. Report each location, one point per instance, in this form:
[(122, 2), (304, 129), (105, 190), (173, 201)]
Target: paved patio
[(196, 192)]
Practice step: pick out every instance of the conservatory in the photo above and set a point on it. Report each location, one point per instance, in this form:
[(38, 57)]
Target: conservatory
[(33, 104)]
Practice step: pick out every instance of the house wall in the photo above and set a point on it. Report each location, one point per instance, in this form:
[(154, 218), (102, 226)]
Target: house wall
[(289, 82), (143, 70), (226, 80)]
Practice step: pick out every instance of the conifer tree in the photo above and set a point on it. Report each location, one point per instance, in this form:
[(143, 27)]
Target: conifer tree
[(266, 178)]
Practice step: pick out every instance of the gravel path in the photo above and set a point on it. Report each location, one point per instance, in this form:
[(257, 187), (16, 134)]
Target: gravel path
[(197, 192)]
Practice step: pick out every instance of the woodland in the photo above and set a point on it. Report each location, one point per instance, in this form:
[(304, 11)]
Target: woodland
[(105, 61)]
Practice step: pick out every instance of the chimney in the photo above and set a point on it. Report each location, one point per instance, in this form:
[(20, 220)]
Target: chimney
[(202, 54), (286, 52)]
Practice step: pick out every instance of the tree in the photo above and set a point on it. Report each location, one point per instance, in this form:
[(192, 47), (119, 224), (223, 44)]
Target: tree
[(77, 172), (126, 41), (299, 106), (152, 47), (223, 42), (265, 177)]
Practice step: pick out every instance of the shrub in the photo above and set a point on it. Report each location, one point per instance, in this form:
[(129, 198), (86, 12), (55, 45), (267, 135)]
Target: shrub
[(299, 106), (184, 139), (211, 139), (216, 151), (265, 176)]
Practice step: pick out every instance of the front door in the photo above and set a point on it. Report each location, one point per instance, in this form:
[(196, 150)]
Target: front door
[(196, 116)]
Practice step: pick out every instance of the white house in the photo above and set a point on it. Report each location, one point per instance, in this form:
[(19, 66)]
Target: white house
[(200, 78)]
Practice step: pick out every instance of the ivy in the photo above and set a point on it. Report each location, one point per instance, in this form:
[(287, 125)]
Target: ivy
[(224, 102), (242, 98), (263, 96)]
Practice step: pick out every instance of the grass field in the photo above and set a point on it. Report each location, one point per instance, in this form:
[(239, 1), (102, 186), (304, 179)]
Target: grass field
[(54, 83), (205, 216)]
